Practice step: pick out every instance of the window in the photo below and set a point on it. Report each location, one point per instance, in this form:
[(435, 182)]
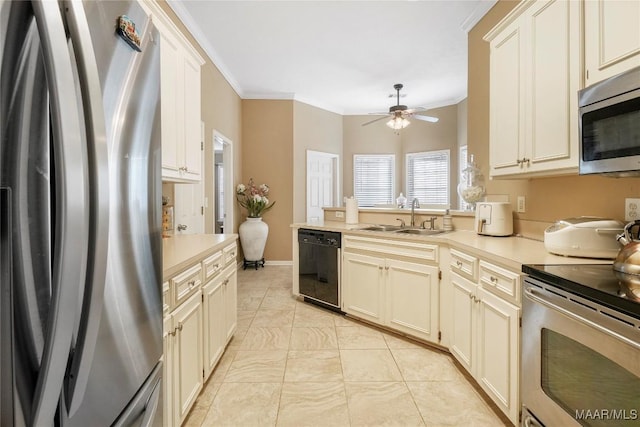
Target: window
[(428, 177), (463, 163), (373, 178)]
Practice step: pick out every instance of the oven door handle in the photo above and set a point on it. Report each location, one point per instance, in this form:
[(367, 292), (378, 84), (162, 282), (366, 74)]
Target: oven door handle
[(537, 297)]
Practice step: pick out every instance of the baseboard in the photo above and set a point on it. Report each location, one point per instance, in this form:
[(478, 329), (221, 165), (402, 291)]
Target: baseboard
[(274, 263), (278, 263)]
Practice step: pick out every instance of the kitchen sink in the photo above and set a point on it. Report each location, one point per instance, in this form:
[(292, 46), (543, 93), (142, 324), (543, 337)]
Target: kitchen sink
[(420, 231), (382, 227)]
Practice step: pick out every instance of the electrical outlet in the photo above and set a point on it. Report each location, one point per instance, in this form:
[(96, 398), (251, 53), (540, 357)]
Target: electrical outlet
[(521, 207), (339, 214), (631, 209)]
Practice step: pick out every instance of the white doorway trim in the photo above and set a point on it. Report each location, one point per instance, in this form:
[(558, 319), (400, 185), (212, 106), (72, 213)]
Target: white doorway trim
[(229, 188), (315, 156)]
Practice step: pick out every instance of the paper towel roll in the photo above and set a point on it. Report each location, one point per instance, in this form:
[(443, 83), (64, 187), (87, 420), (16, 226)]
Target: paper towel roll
[(351, 216)]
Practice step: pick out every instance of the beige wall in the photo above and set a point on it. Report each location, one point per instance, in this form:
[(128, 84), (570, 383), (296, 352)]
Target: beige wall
[(267, 157), (221, 111), (377, 138), (318, 130), (548, 199)]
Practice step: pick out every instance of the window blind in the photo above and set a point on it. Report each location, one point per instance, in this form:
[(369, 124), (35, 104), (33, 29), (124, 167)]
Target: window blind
[(464, 206), (428, 177), (373, 178)]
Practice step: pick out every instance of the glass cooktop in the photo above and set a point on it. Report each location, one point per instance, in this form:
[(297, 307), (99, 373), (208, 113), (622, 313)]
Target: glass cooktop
[(596, 282)]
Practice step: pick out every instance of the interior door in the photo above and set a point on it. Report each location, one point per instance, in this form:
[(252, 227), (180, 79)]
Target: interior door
[(321, 183)]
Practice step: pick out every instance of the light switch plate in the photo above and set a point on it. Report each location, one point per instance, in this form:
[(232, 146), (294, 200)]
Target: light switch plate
[(631, 209), (521, 207), (339, 214)]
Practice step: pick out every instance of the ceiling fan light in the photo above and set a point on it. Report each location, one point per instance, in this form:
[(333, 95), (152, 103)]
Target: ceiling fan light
[(398, 123)]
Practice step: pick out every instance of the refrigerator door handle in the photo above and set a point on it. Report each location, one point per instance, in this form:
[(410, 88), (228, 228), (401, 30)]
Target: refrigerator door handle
[(151, 409), (6, 315), (98, 161), (71, 226)]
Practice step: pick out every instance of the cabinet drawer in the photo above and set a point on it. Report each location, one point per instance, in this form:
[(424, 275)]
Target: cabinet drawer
[(166, 298), (500, 281), (186, 283), (463, 264), (419, 251), (229, 253), (212, 265)]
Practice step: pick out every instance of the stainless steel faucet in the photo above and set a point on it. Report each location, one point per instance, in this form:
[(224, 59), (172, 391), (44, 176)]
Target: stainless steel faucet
[(414, 204)]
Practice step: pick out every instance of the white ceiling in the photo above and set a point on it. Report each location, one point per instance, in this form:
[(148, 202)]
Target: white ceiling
[(342, 56)]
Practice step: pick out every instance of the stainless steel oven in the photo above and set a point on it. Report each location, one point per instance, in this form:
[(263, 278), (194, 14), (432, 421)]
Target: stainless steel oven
[(580, 349)]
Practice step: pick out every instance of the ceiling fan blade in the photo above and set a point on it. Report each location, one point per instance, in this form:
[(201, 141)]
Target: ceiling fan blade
[(375, 120), (426, 118), (416, 110)]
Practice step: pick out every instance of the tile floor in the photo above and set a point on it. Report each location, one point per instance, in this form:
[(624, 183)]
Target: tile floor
[(293, 364)]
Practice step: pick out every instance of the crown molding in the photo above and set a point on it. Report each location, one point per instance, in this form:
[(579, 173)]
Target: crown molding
[(479, 11)]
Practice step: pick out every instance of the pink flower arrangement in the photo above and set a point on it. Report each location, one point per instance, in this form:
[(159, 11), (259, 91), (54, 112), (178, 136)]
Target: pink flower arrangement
[(254, 198)]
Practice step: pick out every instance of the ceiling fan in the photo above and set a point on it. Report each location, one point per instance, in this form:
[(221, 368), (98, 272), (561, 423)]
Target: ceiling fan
[(400, 114)]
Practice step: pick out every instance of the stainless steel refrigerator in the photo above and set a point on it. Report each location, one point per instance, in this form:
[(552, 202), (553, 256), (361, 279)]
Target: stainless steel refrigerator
[(80, 216)]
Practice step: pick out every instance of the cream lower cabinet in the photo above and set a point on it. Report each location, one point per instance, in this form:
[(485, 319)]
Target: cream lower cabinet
[(486, 329), (220, 315), (199, 322), (363, 286), (399, 290), (187, 348)]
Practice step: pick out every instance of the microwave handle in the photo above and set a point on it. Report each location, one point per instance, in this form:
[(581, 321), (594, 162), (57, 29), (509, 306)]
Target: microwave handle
[(535, 296)]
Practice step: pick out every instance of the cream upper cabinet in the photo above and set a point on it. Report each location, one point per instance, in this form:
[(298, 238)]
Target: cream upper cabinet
[(611, 37), (535, 73), (180, 109)]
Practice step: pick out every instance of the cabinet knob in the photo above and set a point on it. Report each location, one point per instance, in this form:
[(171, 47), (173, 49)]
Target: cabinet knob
[(493, 279), (182, 227), (459, 263)]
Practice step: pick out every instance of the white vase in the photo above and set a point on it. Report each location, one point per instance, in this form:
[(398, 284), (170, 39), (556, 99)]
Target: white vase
[(253, 237)]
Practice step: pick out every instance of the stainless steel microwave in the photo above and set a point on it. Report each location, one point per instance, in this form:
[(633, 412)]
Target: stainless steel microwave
[(609, 120)]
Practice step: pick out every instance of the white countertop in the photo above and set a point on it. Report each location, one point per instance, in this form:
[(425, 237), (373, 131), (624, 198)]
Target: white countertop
[(180, 251), (510, 251)]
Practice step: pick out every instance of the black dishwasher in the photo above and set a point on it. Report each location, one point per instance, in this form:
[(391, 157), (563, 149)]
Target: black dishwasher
[(319, 267)]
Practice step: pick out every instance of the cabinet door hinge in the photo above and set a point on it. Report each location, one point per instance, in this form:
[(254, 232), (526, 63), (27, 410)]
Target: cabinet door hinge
[(439, 274), (202, 295), (439, 336), (201, 145), (521, 322), (203, 373), (201, 210)]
